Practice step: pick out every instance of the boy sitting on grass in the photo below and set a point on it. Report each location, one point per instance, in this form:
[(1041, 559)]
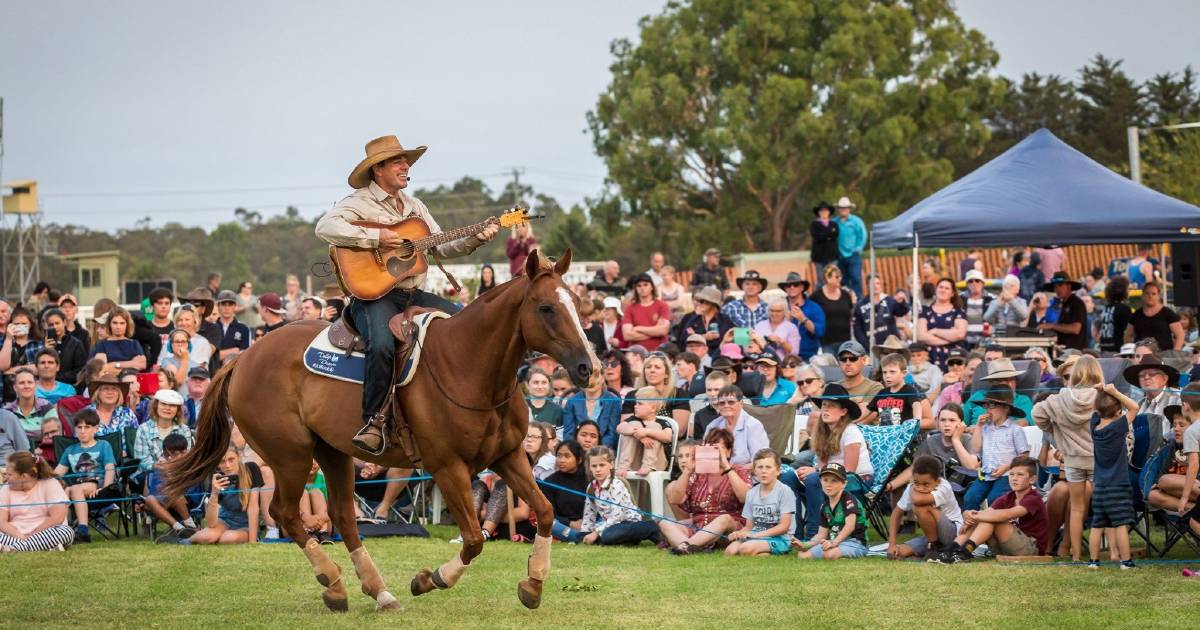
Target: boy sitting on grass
[(770, 512), (174, 445), (1015, 525), (931, 500), (843, 530), (897, 401)]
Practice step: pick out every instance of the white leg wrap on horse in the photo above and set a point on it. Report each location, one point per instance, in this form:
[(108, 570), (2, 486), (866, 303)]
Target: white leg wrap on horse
[(385, 599), (452, 571), (539, 560)]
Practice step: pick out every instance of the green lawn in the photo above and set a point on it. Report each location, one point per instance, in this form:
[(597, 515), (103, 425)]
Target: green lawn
[(136, 584)]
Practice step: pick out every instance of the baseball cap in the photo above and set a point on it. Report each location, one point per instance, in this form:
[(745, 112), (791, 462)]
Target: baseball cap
[(637, 349), (853, 347), (199, 372), (226, 296), (712, 251), (271, 302), (835, 470), (613, 303), (696, 338)]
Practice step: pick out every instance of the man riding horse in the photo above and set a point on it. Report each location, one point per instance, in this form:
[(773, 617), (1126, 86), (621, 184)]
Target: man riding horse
[(379, 180)]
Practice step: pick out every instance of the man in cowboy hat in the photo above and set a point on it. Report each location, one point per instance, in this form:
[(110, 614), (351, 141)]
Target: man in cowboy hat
[(710, 272), (1159, 384), (379, 181), (1071, 326), (824, 231), (808, 316), (852, 238), (1001, 374), (748, 311), (235, 336)]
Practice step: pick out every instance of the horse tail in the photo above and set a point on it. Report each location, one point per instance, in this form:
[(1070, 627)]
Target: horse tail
[(213, 430)]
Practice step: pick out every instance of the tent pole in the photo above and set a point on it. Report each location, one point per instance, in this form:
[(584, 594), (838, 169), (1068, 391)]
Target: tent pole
[(916, 285), (871, 301)]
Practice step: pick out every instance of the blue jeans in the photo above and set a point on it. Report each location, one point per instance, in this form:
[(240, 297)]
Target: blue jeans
[(851, 267), (629, 533), (981, 489), (371, 320)]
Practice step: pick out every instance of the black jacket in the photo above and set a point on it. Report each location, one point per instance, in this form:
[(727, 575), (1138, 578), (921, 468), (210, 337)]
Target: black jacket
[(824, 241)]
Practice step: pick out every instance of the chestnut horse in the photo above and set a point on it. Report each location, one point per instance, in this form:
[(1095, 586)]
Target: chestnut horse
[(465, 408)]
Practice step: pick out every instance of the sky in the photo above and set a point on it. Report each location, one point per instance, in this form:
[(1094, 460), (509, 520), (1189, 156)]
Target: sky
[(181, 111)]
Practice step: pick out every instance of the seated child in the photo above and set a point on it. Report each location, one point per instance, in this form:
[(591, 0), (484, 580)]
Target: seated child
[(997, 441), (897, 401), (770, 512), (173, 446), (642, 437), (931, 500), (33, 510), (1028, 536), (1180, 478), (606, 518), (89, 465), (843, 530), (1112, 498), (51, 428), (949, 445), (232, 514), (314, 508)]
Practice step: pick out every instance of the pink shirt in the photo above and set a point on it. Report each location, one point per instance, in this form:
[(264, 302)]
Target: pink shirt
[(1052, 260), (27, 519)]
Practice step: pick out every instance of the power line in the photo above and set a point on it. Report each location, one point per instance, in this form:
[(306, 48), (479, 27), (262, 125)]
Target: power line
[(248, 189)]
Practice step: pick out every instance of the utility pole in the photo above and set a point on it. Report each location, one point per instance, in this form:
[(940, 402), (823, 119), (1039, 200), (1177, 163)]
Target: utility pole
[(516, 184), (1133, 138)]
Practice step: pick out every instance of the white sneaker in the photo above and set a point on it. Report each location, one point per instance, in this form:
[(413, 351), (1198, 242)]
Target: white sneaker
[(272, 532)]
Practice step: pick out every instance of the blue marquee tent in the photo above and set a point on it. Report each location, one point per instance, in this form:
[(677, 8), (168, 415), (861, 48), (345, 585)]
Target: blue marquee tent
[(1042, 191)]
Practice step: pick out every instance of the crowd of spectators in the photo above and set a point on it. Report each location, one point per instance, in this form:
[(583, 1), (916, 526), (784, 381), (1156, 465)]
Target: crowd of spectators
[(683, 368)]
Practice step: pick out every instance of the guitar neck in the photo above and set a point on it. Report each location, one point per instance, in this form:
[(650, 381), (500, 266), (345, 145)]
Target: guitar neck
[(441, 238)]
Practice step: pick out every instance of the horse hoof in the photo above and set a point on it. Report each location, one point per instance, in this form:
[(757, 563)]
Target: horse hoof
[(529, 591), (422, 583), (335, 603)]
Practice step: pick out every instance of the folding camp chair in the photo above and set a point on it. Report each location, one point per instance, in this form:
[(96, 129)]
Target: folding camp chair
[(778, 421), (99, 512), (888, 447), (657, 479), (412, 497), (1174, 524)]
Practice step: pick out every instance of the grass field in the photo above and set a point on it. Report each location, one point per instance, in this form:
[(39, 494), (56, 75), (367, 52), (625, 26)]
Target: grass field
[(132, 583)]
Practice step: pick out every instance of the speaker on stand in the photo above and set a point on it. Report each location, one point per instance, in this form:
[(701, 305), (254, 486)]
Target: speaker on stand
[(1185, 274)]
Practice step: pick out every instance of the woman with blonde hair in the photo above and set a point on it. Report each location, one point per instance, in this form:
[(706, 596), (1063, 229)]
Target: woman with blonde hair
[(232, 514), (1066, 416), (200, 350)]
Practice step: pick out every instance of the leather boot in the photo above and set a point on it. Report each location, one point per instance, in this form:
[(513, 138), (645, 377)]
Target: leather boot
[(371, 438)]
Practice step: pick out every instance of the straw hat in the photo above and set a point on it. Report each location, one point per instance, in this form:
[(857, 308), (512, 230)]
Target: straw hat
[(1000, 369), (891, 345), (108, 379), (378, 150)]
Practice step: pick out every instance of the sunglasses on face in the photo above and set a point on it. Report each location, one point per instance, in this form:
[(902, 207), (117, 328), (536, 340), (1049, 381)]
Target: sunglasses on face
[(807, 381), (987, 404), (847, 359), (727, 403), (612, 363)]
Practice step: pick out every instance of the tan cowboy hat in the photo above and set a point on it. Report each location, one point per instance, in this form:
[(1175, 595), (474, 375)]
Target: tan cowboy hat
[(108, 379), (890, 345), (378, 150), (709, 294), (1000, 369), (203, 298)]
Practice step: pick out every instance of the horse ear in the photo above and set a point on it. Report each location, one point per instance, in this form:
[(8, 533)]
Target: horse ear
[(564, 263), (532, 264)]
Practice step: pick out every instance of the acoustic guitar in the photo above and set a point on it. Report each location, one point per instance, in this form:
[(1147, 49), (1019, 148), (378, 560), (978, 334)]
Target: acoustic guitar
[(368, 274)]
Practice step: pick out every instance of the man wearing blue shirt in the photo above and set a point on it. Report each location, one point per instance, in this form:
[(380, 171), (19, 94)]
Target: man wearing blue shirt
[(852, 238), (806, 315)]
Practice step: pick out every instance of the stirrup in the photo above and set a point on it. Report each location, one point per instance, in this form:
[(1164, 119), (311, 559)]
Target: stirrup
[(376, 422)]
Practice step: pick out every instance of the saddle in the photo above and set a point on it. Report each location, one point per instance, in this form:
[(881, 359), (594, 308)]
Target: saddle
[(345, 337)]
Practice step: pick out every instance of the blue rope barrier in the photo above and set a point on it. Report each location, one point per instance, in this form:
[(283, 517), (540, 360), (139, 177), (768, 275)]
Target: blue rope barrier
[(651, 515)]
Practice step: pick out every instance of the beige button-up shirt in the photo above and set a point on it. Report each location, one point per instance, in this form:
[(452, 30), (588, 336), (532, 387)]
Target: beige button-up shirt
[(373, 204)]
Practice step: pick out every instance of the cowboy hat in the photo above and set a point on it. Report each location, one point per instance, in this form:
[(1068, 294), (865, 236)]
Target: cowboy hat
[(201, 297), (753, 276), (1151, 362), (1004, 396), (709, 294), (845, 202), (108, 379), (378, 150), (822, 205), (794, 279), (835, 393), (1059, 278), (998, 369), (890, 345), (721, 364)]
